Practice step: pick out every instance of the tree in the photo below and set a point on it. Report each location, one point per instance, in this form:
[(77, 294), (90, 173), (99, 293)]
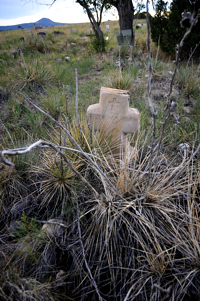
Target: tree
[(170, 29), (125, 11), (159, 22), (139, 11), (92, 7), (97, 7), (124, 8)]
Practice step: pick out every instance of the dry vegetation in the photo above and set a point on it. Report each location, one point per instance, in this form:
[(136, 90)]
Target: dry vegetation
[(76, 223)]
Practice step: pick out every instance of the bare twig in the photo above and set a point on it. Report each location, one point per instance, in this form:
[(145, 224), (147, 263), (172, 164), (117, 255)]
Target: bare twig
[(38, 144), (192, 54), (153, 112), (77, 114), (23, 150), (158, 49), (65, 135)]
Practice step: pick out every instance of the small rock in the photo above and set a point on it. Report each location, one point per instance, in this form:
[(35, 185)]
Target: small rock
[(57, 32), (173, 106), (186, 119), (175, 116), (120, 63), (53, 228), (60, 274), (187, 109), (184, 148), (66, 59), (41, 34), (16, 52)]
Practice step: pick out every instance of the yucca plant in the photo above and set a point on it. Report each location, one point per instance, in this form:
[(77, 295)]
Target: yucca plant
[(54, 102), (35, 43), (55, 181), (34, 74), (119, 80)]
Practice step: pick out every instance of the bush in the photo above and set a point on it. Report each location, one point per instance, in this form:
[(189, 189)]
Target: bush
[(99, 44)]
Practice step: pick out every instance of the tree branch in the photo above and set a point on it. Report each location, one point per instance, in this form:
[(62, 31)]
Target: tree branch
[(77, 114), (44, 144), (153, 112)]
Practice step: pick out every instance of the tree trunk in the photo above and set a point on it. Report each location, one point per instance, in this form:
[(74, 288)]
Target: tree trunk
[(126, 13), (96, 27)]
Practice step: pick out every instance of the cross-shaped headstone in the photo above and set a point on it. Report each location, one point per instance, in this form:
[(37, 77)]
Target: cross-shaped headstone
[(114, 116)]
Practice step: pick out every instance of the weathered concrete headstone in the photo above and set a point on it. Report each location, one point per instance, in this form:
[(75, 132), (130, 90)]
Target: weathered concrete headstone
[(115, 117), (128, 37)]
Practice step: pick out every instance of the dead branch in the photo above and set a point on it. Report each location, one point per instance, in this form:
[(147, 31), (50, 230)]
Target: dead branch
[(77, 114), (23, 150), (19, 151), (192, 54), (65, 135), (153, 112), (39, 144)]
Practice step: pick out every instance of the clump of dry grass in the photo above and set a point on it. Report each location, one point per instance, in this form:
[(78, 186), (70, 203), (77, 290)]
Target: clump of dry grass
[(130, 237), (137, 237), (119, 80)]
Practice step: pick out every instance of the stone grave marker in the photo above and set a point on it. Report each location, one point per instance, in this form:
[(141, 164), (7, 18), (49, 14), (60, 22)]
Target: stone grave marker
[(125, 37), (128, 38), (115, 117)]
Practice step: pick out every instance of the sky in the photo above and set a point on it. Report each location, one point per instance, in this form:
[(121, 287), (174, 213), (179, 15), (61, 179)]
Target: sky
[(14, 12)]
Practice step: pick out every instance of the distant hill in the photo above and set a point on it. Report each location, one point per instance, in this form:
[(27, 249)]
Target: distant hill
[(44, 22)]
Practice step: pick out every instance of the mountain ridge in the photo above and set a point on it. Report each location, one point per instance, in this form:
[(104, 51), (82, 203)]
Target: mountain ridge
[(44, 22)]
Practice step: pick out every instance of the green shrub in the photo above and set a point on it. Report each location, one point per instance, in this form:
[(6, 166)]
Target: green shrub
[(98, 44), (5, 56)]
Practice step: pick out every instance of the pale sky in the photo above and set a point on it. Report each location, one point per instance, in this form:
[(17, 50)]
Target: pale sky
[(14, 12)]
